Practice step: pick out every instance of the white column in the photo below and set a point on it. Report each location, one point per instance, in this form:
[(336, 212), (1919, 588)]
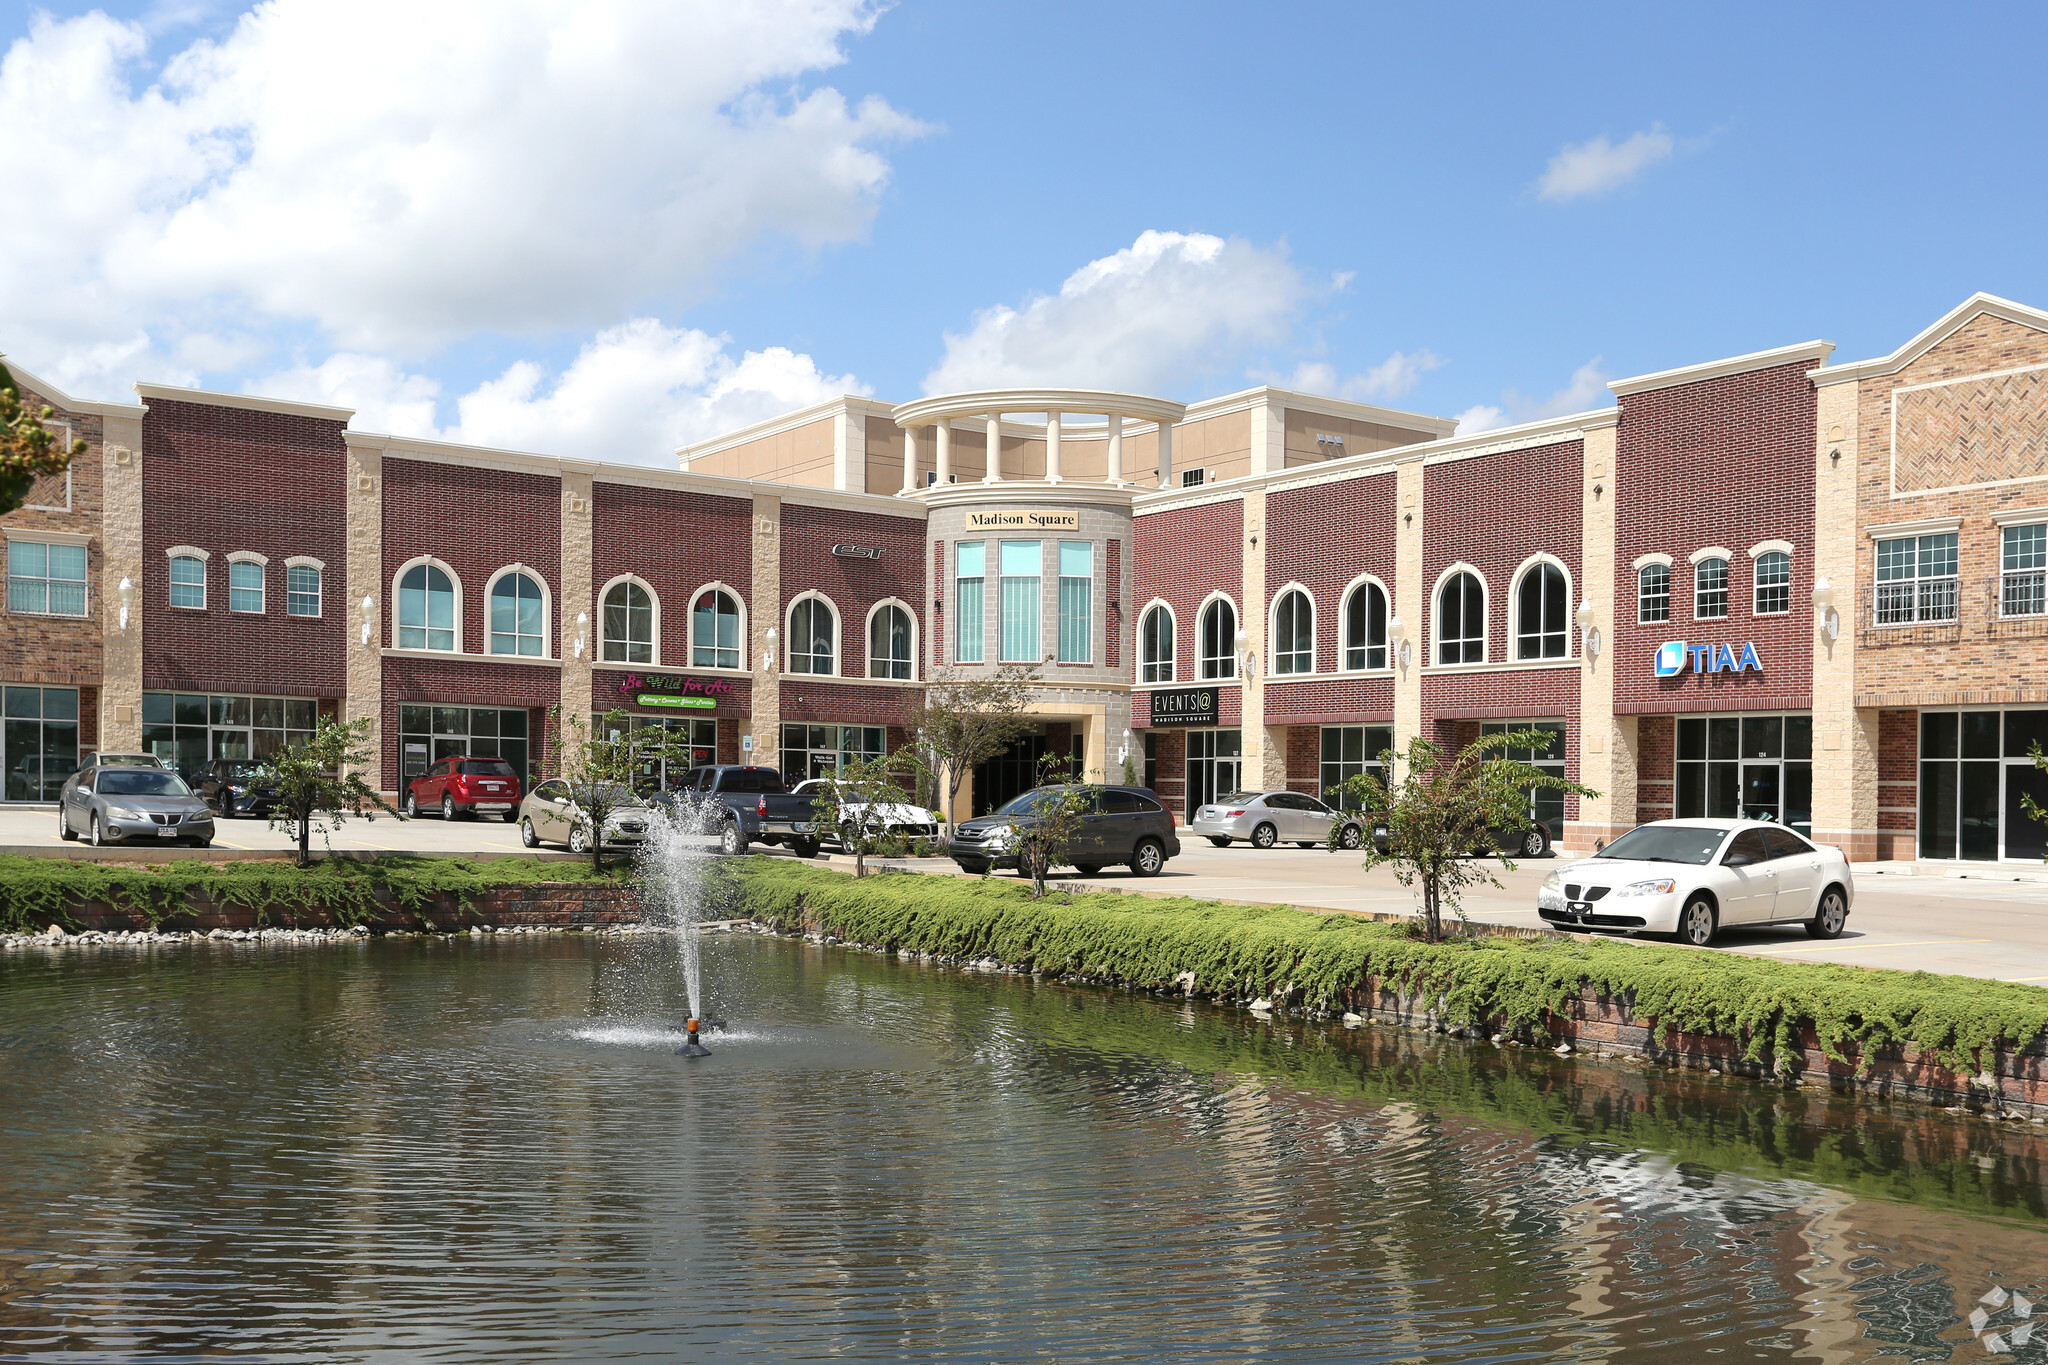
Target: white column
[(1165, 453), (1052, 447), (1115, 468), (994, 471), (910, 459), (943, 456)]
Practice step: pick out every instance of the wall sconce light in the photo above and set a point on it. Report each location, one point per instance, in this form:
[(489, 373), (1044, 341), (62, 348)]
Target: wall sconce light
[(1246, 658), (1123, 751), (127, 594), (1824, 605), (582, 631), (1397, 637), (770, 638), (369, 620), (1589, 634)]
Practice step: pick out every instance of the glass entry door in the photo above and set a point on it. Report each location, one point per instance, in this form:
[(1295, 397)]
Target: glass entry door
[(1215, 762)]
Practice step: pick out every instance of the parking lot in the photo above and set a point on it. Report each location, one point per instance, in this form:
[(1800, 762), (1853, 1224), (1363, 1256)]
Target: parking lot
[(1991, 923)]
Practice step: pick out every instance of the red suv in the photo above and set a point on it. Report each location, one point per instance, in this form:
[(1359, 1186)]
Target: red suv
[(463, 787)]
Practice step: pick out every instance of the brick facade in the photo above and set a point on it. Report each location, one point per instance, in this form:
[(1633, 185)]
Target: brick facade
[(1183, 556), (477, 521), (675, 542), (854, 586), (57, 651)]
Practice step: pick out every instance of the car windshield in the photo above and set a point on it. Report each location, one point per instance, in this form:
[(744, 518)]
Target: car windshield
[(1031, 802), (1693, 844), (239, 769), (141, 782), (487, 767)]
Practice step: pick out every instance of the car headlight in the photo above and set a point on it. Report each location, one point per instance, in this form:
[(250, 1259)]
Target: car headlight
[(123, 813), (1002, 836), (1553, 882), (1657, 886)]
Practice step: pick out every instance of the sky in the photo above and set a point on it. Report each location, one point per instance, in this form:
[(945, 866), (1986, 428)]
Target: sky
[(609, 229)]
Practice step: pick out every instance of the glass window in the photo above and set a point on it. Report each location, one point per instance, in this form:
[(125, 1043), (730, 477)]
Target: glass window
[(814, 751), (714, 630), (889, 643), (1653, 593), (245, 585), (1022, 565), (1219, 639), (47, 580), (1077, 607), (1365, 627), (1745, 848), (1191, 478), (1348, 751), (1747, 767), (426, 609), (1773, 584), (2023, 582), (1710, 589), (301, 590), (1293, 634), (1461, 621), (1916, 580), (1546, 806), (1155, 646), (1542, 614), (188, 582), (38, 741), (627, 621), (429, 734), (970, 590), (518, 624), (811, 637)]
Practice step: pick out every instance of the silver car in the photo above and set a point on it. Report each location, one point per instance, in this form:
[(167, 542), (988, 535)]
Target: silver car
[(1264, 819), (549, 816), (109, 805)]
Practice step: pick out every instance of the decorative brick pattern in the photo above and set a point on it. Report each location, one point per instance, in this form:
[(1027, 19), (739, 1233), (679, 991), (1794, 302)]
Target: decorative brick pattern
[(1970, 431)]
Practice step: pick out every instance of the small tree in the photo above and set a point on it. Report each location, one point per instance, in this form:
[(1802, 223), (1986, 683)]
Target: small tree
[(598, 761), (1444, 806), (28, 449), (968, 719), (851, 805), (1046, 836), (319, 785)]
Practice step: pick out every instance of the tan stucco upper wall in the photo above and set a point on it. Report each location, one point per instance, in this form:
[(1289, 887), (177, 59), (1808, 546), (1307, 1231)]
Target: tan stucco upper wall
[(885, 456), (1360, 438), (802, 455)]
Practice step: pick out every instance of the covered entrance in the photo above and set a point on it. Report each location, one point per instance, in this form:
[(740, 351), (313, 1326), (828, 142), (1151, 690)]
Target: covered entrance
[(1215, 765), (1009, 775)]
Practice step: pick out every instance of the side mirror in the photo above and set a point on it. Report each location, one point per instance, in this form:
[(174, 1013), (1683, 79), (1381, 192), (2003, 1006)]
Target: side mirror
[(1737, 860)]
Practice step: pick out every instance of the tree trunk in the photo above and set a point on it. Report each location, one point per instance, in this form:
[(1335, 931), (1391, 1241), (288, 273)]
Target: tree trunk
[(305, 839), (1432, 919)]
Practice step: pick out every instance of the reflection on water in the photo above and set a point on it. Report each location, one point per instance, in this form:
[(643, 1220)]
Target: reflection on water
[(485, 1150)]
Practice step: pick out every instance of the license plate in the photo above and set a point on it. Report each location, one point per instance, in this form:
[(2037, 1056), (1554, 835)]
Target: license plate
[(167, 833)]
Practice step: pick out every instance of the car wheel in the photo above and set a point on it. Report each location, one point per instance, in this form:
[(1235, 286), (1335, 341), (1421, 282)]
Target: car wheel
[(1536, 842), (202, 843), (526, 834), (973, 869), (1265, 836), (93, 836), (447, 807), (1088, 869), (511, 817), (1352, 837), (804, 848), (1827, 921), (412, 806), (1219, 841), (1148, 858), (579, 840), (1697, 923), (1304, 843), (732, 840), (64, 830)]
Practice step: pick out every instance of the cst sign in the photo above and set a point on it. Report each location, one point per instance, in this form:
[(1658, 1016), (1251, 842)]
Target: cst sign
[(1674, 656)]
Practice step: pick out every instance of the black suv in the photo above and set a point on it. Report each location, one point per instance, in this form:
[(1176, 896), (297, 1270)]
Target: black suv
[(231, 786), (1122, 825)]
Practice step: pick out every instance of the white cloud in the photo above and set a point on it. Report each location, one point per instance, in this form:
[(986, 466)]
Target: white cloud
[(1587, 389), (633, 394), (1392, 378), (1148, 318), (393, 175), (1598, 166)]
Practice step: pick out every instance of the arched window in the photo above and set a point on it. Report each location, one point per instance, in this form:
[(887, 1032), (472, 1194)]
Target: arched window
[(1710, 589), (1219, 639), (1461, 620), (1365, 627), (426, 609), (628, 619), (1653, 593), (188, 582), (1155, 645), (245, 585), (889, 648), (1542, 614), (518, 619), (1294, 633), (1773, 583), (715, 631), (302, 587), (811, 632)]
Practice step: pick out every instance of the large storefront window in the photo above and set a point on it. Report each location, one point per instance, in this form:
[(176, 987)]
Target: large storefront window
[(39, 741), (186, 729), (1546, 804), (817, 750), (695, 744), (427, 733), (1214, 766), (1746, 767), (1975, 773), (1350, 750)]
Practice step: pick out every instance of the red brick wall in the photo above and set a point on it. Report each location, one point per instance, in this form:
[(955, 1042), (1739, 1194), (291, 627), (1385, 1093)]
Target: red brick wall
[(839, 703), (1367, 700), (1170, 771), (854, 585), (1726, 462), (225, 479), (1305, 759), (1656, 770), (476, 521), (1493, 512), (61, 651), (1325, 536), (1182, 556), (1898, 773), (675, 541)]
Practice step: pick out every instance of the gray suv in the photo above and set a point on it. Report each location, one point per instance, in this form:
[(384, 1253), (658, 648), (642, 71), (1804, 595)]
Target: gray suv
[(1122, 825)]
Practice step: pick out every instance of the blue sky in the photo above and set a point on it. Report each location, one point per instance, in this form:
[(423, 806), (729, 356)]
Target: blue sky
[(1481, 210)]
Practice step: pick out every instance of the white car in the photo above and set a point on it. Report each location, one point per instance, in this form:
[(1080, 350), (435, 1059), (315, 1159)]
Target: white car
[(913, 823), (1693, 878)]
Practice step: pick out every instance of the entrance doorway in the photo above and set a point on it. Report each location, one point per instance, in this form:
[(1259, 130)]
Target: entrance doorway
[(1008, 775), (1215, 762)]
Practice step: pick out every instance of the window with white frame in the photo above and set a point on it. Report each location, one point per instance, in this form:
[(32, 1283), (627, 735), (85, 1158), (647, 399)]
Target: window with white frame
[(301, 590), (1219, 639), (1020, 631), (889, 647), (45, 580), (1773, 583), (970, 597), (245, 586), (426, 609), (518, 616), (1916, 579), (1155, 646), (715, 630), (188, 582), (1077, 601), (1653, 594), (1365, 627), (1542, 614), (1461, 620), (1710, 589), (811, 631), (627, 623), (1294, 634), (2023, 580)]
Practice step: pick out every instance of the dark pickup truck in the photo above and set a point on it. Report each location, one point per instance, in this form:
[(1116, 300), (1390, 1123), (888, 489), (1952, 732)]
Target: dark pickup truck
[(758, 807)]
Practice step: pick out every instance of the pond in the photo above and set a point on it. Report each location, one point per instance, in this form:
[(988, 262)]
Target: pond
[(483, 1149)]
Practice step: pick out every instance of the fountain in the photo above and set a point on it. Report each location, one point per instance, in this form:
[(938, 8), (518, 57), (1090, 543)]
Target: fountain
[(680, 838)]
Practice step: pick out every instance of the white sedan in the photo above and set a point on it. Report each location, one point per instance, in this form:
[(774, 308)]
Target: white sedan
[(1693, 878)]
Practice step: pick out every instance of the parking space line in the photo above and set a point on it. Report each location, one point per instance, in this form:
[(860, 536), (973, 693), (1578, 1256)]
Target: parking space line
[(1859, 943)]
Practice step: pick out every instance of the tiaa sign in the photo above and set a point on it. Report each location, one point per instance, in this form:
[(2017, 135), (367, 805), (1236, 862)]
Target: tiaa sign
[(1673, 657)]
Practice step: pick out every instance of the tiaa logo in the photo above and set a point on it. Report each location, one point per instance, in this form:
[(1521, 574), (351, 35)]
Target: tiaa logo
[(1671, 658)]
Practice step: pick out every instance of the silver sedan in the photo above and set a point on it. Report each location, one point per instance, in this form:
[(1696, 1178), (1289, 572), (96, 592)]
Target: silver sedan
[(1264, 819), (133, 805)]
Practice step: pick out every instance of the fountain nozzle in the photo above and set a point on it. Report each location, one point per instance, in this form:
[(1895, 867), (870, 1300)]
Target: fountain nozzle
[(692, 1048)]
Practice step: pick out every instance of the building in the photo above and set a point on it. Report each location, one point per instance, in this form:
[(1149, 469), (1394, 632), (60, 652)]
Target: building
[(1769, 585)]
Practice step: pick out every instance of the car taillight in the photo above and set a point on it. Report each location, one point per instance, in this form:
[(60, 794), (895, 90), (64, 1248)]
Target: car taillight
[(761, 807), (1232, 814)]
